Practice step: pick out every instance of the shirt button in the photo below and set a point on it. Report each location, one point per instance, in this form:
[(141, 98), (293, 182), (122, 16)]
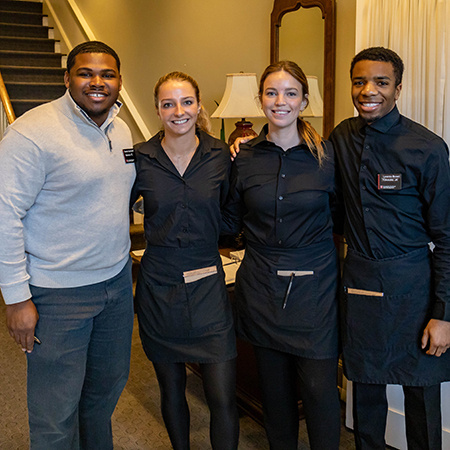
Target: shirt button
[(366, 209), (280, 220), (363, 167), (363, 188), (280, 197), (367, 147), (280, 242), (283, 175)]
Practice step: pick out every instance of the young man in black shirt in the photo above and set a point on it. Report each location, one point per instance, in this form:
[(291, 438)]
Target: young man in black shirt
[(396, 186)]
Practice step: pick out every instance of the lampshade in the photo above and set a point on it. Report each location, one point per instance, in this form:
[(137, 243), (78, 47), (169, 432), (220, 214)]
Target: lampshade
[(240, 97), (315, 106)]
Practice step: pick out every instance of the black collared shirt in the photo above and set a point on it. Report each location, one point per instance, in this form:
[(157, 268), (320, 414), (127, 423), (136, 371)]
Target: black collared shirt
[(396, 186), (182, 211), (283, 199)]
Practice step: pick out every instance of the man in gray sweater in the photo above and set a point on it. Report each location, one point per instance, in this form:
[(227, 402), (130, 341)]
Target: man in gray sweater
[(65, 273)]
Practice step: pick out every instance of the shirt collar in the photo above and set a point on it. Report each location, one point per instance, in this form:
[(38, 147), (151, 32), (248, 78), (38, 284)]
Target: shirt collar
[(262, 141), (153, 146), (384, 124)]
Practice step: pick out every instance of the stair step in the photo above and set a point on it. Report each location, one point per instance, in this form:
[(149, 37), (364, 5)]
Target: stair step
[(32, 74), (18, 44), (34, 59), (37, 91), (22, 17), (12, 5), (21, 106), (35, 31)]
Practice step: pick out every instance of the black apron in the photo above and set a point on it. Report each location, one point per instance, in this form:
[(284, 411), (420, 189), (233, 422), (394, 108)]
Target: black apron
[(181, 321), (307, 326), (386, 306)]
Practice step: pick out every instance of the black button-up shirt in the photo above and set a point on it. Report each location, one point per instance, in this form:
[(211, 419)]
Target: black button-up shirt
[(282, 198), (182, 211), (396, 185)]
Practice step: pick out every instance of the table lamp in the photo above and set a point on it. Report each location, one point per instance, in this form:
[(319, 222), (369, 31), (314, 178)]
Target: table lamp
[(240, 99)]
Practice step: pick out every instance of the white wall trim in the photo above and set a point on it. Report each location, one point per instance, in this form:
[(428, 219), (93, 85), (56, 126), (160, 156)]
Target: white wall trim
[(91, 36), (58, 24)]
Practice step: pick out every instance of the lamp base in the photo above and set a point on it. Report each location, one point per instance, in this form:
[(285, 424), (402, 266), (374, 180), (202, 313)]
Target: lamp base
[(243, 129)]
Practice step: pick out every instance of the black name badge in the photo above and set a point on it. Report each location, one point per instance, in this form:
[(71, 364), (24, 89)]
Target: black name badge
[(128, 154), (390, 181)]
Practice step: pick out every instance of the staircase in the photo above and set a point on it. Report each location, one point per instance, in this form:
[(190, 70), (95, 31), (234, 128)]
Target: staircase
[(30, 59)]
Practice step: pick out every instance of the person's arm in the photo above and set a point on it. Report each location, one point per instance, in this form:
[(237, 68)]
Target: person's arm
[(21, 320), (234, 148), (232, 211), (436, 337), (436, 192), (22, 176)]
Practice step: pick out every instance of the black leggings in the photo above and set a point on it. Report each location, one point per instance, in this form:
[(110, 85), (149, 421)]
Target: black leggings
[(219, 385), (279, 374)]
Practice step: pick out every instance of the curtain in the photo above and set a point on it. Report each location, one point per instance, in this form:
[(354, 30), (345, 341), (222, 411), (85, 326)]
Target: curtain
[(419, 31)]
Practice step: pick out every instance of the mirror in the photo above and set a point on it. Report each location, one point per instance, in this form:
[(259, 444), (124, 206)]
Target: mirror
[(326, 30)]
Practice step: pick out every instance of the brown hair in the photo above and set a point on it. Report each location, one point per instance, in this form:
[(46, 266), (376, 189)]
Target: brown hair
[(203, 123), (307, 133)]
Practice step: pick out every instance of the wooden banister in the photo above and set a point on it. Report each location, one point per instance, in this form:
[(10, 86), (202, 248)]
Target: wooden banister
[(6, 102)]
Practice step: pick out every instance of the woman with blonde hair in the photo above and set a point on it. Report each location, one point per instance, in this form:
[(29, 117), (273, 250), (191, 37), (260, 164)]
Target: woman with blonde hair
[(182, 304), (283, 196)]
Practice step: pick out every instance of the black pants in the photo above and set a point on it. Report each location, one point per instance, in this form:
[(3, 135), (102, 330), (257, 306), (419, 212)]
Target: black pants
[(422, 416), (279, 374)]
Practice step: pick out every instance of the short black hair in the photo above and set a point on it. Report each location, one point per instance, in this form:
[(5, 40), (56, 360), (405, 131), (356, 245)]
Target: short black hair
[(91, 47), (381, 54)]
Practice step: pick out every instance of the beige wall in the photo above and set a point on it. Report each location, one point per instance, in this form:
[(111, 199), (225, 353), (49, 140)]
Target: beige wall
[(205, 38)]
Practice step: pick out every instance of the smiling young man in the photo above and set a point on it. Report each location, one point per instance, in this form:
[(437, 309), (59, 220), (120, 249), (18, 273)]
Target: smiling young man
[(65, 275), (396, 185)]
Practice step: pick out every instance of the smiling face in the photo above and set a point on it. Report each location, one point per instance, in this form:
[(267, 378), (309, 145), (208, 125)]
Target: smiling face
[(94, 83), (373, 89), (282, 100), (178, 107)]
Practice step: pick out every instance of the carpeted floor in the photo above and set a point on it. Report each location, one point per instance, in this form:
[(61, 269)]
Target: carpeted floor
[(137, 422)]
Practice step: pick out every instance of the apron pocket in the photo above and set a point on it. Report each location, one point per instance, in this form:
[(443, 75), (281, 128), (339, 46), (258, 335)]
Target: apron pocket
[(297, 309), (209, 306), (375, 322), (163, 310)]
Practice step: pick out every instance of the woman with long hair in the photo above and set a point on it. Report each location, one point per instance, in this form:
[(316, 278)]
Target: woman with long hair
[(182, 304), (283, 196)]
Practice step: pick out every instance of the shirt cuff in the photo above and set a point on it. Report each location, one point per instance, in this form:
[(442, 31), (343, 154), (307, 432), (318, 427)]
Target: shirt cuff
[(16, 294), (441, 311)]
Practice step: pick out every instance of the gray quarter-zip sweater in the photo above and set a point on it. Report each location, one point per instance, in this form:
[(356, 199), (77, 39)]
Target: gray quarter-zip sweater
[(64, 199)]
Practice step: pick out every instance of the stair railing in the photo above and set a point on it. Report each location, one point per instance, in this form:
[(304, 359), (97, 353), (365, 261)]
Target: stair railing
[(7, 115)]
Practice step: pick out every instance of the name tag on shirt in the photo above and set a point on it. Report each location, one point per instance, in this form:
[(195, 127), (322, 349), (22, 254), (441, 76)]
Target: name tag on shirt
[(128, 154), (390, 181)]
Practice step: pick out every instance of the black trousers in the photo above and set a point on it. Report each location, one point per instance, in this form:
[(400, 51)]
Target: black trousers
[(422, 416)]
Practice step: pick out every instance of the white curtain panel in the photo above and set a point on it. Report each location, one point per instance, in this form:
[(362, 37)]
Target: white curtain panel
[(419, 31)]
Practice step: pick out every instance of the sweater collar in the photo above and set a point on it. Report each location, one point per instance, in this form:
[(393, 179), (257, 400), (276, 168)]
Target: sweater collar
[(71, 107)]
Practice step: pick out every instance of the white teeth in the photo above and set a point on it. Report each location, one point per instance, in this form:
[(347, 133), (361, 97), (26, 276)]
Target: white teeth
[(281, 112), (96, 95), (370, 105), (180, 122)]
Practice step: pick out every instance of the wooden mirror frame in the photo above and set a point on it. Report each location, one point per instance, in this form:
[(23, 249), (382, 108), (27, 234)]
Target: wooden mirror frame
[(280, 8)]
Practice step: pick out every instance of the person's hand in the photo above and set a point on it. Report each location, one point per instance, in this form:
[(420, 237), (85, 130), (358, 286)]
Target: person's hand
[(21, 320), (234, 147), (437, 337)]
